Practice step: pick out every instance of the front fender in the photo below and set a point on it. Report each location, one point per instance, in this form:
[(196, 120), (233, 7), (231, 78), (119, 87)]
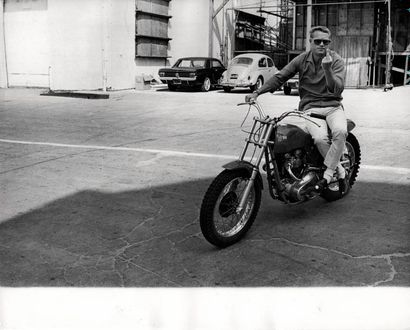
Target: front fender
[(241, 164), (254, 76)]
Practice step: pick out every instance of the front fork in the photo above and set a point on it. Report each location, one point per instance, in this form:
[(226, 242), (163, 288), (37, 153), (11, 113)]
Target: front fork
[(262, 143)]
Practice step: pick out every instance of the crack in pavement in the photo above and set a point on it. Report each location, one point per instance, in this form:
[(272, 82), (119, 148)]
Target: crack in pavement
[(181, 263), (128, 261), (44, 161), (151, 161), (386, 257)]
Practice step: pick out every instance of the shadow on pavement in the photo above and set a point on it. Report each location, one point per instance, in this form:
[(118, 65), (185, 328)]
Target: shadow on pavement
[(151, 238)]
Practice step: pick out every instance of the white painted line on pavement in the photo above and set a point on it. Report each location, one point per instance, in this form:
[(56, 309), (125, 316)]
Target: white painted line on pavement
[(155, 151), (397, 170)]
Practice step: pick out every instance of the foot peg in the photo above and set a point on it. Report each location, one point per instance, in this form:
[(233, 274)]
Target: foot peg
[(321, 185), (343, 186)]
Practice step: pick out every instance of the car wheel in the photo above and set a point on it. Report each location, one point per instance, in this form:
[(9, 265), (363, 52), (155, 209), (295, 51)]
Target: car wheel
[(171, 87), (206, 85), (287, 90), (258, 84), (227, 89)]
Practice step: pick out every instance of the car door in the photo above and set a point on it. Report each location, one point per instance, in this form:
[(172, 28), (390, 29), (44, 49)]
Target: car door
[(262, 69), (217, 70), (271, 68)]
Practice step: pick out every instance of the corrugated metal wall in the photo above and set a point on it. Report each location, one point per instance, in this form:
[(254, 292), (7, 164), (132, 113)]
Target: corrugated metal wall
[(352, 32)]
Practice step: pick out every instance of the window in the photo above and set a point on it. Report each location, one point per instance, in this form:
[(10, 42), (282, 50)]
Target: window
[(216, 64), (262, 62), (190, 63), (242, 60), (270, 63)]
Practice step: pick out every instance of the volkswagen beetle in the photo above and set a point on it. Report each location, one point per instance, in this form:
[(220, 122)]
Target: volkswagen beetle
[(248, 70)]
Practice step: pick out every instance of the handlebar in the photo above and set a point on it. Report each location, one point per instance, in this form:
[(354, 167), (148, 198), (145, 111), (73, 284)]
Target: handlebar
[(256, 105), (283, 115)]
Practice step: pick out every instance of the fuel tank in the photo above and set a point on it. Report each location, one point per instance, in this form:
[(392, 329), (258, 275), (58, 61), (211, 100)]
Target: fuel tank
[(289, 137)]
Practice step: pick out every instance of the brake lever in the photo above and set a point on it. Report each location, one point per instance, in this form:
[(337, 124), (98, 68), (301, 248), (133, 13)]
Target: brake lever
[(246, 103)]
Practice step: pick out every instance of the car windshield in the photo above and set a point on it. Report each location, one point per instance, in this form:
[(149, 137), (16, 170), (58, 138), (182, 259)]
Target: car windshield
[(190, 63), (242, 61)]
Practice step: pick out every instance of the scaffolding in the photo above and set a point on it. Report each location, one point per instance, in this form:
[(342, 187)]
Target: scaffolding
[(285, 36)]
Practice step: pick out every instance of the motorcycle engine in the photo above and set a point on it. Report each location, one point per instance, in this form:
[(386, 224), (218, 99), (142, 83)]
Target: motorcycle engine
[(298, 181)]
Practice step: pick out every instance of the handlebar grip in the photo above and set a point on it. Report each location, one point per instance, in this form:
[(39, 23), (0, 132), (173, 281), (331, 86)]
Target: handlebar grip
[(316, 115)]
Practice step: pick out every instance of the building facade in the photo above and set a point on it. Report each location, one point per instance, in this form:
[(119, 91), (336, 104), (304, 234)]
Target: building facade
[(112, 44), (368, 34), (106, 44)]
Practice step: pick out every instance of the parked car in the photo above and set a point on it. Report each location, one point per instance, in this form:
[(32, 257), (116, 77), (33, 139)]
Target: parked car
[(292, 83), (248, 70), (203, 72)]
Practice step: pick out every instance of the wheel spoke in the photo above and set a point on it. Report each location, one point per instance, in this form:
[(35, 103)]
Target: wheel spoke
[(233, 222), (221, 223)]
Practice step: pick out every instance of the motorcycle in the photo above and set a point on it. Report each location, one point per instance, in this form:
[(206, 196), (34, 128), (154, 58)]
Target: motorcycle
[(293, 167)]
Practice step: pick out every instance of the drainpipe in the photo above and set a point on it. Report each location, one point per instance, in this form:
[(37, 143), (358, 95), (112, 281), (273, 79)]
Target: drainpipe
[(211, 28), (105, 42), (308, 23), (3, 56), (389, 46)]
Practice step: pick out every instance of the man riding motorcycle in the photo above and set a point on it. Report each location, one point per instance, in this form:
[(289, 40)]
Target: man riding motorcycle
[(321, 83)]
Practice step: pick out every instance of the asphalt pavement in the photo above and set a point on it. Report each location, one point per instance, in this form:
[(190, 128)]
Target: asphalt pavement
[(105, 193)]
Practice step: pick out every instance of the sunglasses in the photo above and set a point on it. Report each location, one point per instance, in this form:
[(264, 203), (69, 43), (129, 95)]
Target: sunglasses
[(319, 41)]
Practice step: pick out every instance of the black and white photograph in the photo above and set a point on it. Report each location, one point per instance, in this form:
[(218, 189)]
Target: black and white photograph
[(205, 164)]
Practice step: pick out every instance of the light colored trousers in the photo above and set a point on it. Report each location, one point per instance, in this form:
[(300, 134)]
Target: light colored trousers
[(330, 149)]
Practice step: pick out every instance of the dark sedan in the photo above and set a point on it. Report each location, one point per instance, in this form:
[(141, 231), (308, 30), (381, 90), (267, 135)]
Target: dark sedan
[(203, 72)]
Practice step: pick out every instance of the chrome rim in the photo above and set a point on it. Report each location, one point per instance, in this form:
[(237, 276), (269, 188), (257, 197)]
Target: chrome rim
[(350, 155), (207, 84), (227, 221), (258, 83)]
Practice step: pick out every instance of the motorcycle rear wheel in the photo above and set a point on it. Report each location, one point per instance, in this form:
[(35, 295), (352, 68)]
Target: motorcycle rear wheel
[(220, 224), (353, 154)]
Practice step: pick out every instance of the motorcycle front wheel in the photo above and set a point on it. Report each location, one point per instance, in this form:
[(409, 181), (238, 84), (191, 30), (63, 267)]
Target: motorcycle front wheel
[(220, 222)]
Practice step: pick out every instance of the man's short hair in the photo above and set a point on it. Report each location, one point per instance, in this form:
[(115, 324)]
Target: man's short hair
[(319, 28)]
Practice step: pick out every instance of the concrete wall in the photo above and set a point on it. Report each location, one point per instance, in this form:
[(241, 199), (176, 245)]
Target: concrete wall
[(26, 44), (69, 44), (75, 29), (189, 28), (92, 44), (122, 44)]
